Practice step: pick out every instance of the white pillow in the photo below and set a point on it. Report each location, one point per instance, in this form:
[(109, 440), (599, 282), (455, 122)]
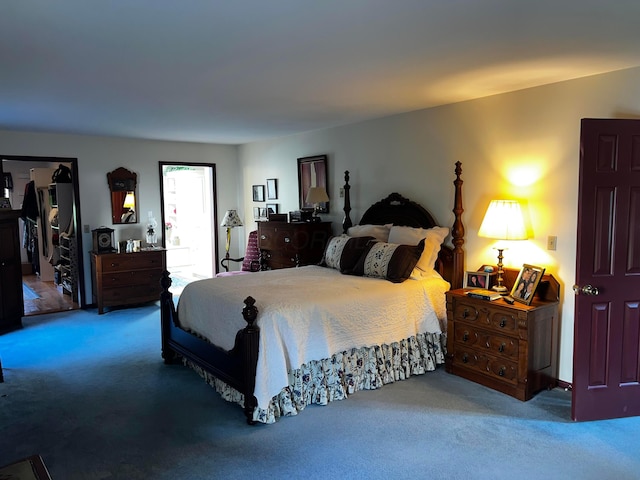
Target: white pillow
[(412, 236), (379, 232)]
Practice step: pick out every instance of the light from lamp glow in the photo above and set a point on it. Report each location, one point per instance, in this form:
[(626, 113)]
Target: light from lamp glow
[(504, 221)]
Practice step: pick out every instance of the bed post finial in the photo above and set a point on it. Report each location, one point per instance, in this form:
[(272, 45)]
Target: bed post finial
[(346, 223), (457, 231)]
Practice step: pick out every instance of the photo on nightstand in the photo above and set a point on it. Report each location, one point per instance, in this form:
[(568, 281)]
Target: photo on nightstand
[(476, 280), (525, 285)]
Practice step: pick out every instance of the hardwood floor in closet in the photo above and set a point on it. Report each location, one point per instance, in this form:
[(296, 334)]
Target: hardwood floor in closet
[(51, 297)]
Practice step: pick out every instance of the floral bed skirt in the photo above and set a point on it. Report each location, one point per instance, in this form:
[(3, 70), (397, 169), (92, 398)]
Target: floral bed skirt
[(335, 378)]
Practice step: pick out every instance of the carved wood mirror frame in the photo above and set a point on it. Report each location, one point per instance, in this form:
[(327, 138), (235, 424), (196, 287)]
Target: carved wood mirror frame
[(124, 196)]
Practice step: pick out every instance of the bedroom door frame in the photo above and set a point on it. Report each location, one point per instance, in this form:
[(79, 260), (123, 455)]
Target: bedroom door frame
[(208, 243), (77, 222)]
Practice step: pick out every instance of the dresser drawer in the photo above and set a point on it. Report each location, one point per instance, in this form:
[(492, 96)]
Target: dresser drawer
[(131, 294), (136, 261), (489, 365), (483, 313), (470, 337), (147, 278), (278, 259)]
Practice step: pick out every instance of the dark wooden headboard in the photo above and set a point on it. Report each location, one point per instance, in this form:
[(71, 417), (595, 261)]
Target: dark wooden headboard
[(398, 210)]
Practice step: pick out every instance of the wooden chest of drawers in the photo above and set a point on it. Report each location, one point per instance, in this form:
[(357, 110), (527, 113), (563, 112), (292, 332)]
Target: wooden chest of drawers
[(510, 348), (284, 245), (119, 279)]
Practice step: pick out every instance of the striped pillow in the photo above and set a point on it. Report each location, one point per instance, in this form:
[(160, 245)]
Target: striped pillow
[(390, 261)]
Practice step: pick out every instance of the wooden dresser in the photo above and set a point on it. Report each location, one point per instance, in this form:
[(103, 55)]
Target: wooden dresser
[(11, 300), (119, 279), (285, 245), (510, 348)]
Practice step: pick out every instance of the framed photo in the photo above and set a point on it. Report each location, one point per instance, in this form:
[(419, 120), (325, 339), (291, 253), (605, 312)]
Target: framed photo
[(258, 193), (263, 213), (4, 202), (525, 285), (312, 172), (256, 213), (272, 189), (476, 280), (272, 208)]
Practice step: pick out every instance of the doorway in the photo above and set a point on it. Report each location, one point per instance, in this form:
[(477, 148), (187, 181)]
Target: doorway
[(189, 218), (52, 269)]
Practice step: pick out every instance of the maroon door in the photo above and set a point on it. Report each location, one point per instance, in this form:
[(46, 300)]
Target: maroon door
[(606, 351)]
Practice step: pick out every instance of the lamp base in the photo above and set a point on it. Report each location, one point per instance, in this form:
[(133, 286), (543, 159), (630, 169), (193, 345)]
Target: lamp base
[(501, 289)]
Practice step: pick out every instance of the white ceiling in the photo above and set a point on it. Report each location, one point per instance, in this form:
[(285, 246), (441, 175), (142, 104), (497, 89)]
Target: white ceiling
[(235, 71)]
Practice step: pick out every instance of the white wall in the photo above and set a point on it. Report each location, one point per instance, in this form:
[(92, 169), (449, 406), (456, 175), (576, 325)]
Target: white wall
[(519, 145), (99, 155)]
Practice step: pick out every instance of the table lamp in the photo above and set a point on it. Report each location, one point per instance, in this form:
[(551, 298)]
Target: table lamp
[(230, 220), (503, 221), (316, 195)]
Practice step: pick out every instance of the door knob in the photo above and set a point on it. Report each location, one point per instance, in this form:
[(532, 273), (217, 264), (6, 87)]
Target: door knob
[(586, 290)]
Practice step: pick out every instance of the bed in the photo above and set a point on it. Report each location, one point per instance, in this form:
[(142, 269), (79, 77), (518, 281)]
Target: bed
[(284, 352)]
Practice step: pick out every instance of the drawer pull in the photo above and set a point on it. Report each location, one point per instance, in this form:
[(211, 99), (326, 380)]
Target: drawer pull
[(287, 240), (502, 347), (465, 313), (465, 336), (502, 371), (263, 237), (465, 358), (503, 322)]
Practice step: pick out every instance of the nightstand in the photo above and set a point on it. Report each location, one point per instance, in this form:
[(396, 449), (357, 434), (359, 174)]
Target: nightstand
[(509, 348)]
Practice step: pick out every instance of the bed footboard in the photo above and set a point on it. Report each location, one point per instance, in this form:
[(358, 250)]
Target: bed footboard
[(236, 367)]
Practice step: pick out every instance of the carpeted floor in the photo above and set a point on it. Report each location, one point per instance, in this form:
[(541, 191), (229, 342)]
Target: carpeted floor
[(91, 395)]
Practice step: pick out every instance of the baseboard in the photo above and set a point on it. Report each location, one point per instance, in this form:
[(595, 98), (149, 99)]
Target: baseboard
[(566, 385)]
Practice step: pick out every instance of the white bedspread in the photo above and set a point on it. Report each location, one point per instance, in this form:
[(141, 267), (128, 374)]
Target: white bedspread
[(311, 313)]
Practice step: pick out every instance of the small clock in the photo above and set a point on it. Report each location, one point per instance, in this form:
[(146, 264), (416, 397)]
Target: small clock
[(103, 240)]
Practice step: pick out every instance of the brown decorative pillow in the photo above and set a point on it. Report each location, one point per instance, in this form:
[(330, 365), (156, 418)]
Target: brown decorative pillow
[(343, 252), (390, 261)]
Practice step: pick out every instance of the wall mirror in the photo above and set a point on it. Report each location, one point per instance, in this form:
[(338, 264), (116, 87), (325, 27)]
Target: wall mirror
[(312, 172), (124, 196)]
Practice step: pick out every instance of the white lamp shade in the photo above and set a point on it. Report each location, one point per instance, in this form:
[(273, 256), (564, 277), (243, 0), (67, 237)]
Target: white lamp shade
[(129, 200), (231, 219), (504, 221), (317, 195)]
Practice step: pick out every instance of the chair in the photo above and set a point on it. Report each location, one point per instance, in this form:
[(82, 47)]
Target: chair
[(250, 261)]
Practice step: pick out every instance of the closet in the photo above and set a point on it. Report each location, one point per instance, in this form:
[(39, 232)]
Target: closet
[(52, 236)]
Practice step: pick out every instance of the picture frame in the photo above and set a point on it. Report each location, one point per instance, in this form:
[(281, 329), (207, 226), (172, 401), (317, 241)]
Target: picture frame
[(263, 213), (256, 213), (258, 193), (476, 280), (312, 172), (272, 189), (272, 208), (4, 202), (524, 288)]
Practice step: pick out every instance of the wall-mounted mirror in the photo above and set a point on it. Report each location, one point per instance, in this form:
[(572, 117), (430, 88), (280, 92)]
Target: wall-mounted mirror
[(124, 199), (312, 172)]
